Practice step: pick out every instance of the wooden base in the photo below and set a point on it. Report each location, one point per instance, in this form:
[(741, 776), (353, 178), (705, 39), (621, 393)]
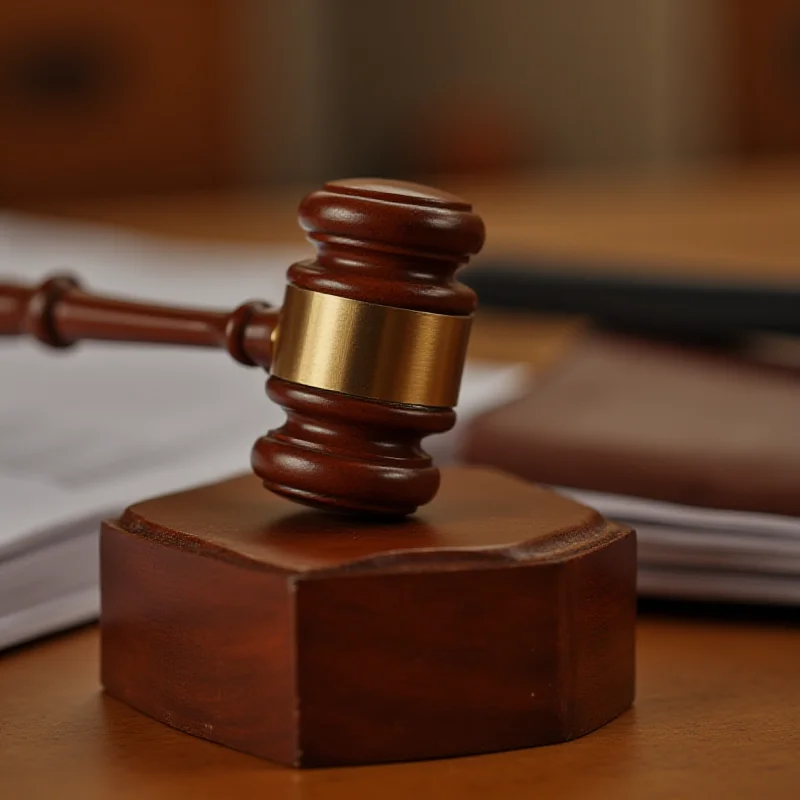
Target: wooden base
[(501, 616)]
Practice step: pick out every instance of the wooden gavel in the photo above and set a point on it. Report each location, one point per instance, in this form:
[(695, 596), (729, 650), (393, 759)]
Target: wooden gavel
[(365, 355)]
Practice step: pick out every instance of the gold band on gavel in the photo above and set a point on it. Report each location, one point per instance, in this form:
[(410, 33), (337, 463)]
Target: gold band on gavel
[(369, 350)]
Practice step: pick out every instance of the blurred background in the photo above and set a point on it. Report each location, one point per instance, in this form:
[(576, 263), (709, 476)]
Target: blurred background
[(154, 96)]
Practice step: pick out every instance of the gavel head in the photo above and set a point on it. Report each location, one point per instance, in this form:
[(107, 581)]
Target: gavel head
[(370, 346)]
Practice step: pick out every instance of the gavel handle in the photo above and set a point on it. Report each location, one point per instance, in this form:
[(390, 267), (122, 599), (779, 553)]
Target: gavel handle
[(59, 313)]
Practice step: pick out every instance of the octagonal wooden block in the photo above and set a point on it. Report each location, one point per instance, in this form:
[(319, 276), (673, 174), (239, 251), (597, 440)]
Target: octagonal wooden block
[(501, 616)]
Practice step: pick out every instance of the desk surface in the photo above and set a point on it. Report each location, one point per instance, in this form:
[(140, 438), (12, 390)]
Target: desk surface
[(717, 702), (716, 716)]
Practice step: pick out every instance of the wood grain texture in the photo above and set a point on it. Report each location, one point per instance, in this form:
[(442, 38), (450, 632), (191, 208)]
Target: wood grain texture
[(714, 716), (390, 242), (501, 617), (59, 313), (219, 633), (395, 244), (340, 452)]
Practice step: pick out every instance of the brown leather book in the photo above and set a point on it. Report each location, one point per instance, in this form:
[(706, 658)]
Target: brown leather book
[(653, 420)]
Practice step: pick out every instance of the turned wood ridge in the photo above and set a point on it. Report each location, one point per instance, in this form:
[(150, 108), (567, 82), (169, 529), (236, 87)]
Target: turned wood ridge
[(366, 354)]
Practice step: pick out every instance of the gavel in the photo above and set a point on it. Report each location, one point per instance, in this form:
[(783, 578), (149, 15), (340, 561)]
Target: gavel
[(365, 356)]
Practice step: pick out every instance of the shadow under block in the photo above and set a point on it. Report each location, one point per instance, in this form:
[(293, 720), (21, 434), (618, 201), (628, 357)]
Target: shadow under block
[(501, 616)]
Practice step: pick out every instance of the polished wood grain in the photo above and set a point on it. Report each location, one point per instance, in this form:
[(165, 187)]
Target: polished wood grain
[(502, 616), (395, 244), (59, 313), (390, 243), (714, 716), (349, 453)]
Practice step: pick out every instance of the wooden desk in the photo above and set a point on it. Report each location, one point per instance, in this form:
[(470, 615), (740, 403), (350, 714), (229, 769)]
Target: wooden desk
[(716, 716), (718, 702)]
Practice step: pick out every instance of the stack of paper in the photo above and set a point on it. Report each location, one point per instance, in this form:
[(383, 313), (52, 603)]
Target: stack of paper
[(707, 553)]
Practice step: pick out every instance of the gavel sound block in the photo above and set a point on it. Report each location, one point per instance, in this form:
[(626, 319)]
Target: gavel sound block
[(500, 615)]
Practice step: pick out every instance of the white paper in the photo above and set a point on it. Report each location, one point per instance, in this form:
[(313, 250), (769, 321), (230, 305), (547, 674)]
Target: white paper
[(706, 553), (679, 516)]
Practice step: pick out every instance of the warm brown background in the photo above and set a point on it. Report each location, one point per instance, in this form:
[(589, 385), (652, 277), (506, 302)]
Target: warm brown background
[(99, 97), (107, 98)]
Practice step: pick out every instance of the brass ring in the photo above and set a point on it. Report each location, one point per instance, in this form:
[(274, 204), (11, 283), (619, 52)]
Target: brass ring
[(369, 350)]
